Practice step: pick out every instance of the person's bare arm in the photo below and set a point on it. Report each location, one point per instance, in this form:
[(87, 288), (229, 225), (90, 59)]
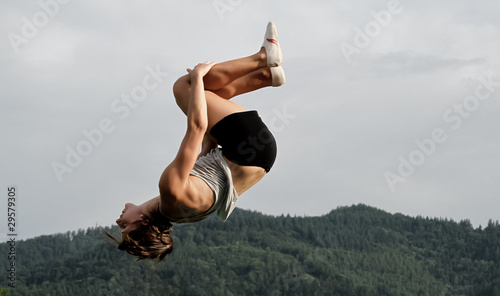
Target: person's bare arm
[(175, 177)]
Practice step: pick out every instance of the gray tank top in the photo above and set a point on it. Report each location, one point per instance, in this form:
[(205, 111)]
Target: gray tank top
[(214, 170)]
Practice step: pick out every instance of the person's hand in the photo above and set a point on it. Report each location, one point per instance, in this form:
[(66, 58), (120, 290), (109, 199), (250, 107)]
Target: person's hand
[(201, 69)]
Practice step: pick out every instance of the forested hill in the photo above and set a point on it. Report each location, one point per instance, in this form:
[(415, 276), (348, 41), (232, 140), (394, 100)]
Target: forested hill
[(357, 250)]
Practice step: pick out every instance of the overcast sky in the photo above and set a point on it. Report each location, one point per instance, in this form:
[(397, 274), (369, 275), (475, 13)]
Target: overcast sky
[(393, 104)]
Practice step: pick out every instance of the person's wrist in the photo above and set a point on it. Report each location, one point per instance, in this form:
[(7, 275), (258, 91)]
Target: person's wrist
[(196, 77)]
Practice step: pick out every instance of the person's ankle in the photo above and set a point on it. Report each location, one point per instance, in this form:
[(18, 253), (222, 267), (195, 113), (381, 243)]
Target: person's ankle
[(262, 54)]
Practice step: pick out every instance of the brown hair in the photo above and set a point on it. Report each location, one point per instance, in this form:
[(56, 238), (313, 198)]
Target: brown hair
[(150, 241)]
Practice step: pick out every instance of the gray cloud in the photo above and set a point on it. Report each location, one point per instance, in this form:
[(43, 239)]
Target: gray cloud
[(351, 121)]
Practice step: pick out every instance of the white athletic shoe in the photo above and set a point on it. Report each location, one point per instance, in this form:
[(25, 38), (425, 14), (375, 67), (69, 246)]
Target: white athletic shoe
[(272, 46), (278, 76)]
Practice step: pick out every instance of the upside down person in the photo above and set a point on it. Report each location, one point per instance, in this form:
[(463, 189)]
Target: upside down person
[(204, 178)]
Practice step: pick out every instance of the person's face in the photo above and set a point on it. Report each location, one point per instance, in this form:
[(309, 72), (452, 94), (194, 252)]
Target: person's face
[(130, 218)]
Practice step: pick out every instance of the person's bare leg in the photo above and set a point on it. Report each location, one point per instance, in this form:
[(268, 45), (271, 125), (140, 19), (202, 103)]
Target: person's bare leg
[(224, 73), (218, 108), (253, 81)]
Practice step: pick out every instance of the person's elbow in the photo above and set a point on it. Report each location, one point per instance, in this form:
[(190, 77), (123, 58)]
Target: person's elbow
[(198, 124)]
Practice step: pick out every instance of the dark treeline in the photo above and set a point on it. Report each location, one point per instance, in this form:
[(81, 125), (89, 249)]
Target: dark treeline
[(356, 250)]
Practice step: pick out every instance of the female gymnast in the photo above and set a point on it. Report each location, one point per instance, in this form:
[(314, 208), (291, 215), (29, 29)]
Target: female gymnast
[(205, 178)]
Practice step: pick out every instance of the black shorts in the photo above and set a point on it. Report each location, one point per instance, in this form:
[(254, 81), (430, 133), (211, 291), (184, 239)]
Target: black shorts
[(246, 140)]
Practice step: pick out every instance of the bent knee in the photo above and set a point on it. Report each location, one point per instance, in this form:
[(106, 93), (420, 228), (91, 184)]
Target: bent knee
[(182, 86), (182, 89)]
